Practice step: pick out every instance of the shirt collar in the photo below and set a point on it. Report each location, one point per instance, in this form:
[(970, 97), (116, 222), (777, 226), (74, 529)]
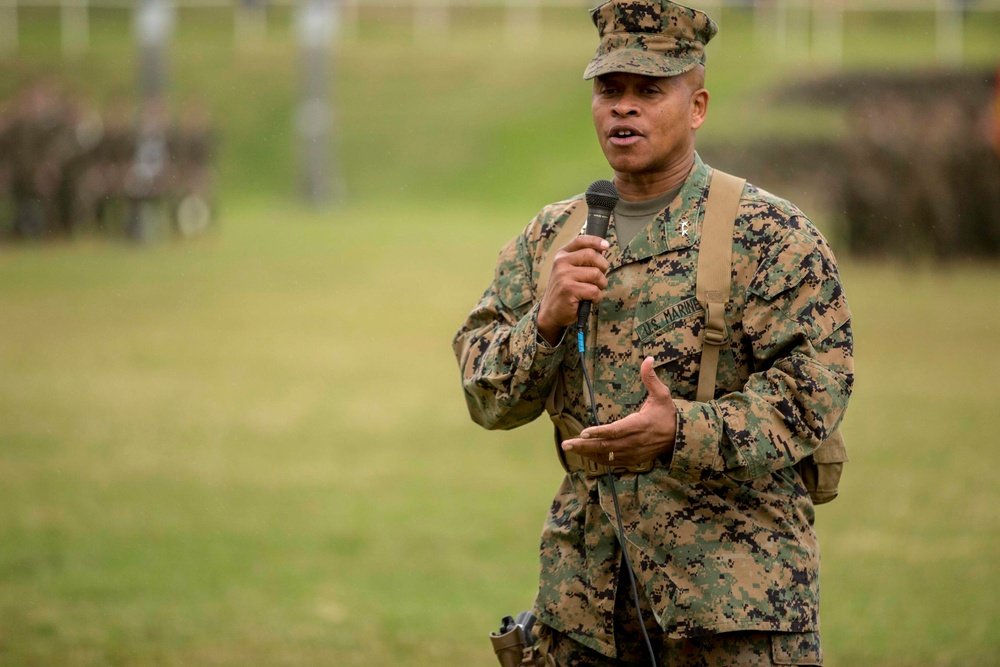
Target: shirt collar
[(677, 226)]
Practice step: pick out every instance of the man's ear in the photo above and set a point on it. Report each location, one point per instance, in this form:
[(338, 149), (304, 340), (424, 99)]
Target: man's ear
[(699, 107)]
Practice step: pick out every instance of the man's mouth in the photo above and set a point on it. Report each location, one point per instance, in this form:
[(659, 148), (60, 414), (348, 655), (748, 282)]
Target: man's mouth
[(624, 136)]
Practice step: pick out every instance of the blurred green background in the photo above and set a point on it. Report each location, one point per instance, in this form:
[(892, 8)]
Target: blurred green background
[(251, 448)]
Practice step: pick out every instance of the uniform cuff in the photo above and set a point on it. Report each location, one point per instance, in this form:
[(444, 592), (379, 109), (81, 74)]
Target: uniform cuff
[(696, 453), (534, 354), (544, 344)]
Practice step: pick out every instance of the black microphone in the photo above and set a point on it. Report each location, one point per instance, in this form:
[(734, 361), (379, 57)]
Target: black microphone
[(601, 199)]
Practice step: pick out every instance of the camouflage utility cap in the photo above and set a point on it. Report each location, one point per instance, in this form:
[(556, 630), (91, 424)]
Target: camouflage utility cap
[(650, 37)]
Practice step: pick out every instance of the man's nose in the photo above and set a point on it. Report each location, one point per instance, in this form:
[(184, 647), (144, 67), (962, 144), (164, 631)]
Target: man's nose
[(625, 106)]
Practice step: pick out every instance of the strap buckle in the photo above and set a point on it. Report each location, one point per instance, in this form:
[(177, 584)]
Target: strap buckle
[(715, 337), (715, 332)]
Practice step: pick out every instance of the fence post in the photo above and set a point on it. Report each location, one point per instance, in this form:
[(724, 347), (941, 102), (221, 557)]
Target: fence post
[(154, 25), (315, 118), (75, 26), (8, 27), (949, 32)]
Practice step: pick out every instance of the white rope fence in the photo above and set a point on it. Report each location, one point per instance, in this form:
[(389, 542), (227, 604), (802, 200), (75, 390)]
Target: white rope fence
[(783, 25)]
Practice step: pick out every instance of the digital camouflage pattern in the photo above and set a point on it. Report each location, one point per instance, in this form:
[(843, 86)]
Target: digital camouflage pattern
[(650, 37), (720, 535), (729, 649)]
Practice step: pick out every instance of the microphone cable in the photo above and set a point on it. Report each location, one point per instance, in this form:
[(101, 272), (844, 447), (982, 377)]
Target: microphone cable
[(580, 328)]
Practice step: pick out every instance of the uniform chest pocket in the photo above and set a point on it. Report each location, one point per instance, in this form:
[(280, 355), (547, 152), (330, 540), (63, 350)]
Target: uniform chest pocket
[(674, 342)]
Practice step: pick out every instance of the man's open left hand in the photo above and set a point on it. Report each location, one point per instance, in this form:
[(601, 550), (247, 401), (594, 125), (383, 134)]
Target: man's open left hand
[(638, 438)]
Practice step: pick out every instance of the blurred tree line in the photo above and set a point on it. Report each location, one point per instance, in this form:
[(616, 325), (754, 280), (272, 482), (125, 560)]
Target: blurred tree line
[(917, 172)]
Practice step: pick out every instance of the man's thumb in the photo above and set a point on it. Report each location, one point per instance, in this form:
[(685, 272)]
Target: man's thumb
[(649, 378)]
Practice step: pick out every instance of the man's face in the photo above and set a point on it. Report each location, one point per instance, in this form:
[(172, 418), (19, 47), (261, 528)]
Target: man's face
[(646, 124)]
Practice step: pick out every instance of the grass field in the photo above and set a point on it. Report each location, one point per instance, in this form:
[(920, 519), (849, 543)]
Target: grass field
[(252, 449)]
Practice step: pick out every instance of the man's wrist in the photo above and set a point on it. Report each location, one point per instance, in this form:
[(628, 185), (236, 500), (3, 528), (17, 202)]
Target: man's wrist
[(545, 341), (551, 334)]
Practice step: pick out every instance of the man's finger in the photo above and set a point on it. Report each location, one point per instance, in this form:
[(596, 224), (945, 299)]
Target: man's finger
[(584, 241), (581, 257), (657, 390), (601, 446), (623, 428), (588, 274)]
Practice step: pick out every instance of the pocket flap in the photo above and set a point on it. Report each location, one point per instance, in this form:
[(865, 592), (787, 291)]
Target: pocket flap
[(681, 339), (796, 648), (792, 262)]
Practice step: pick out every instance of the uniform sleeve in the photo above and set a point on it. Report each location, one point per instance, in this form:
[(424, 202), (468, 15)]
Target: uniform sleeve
[(799, 328), (507, 369)]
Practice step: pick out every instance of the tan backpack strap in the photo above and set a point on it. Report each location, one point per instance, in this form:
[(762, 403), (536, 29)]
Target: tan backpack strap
[(570, 230), (715, 262)]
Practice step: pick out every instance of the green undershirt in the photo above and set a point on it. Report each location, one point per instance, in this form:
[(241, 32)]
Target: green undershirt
[(631, 217)]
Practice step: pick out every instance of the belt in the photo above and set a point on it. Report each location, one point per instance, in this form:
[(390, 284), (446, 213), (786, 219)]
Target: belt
[(567, 426), (576, 463)]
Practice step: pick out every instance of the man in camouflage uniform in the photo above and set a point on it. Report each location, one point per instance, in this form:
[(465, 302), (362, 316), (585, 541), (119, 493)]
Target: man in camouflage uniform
[(719, 530)]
